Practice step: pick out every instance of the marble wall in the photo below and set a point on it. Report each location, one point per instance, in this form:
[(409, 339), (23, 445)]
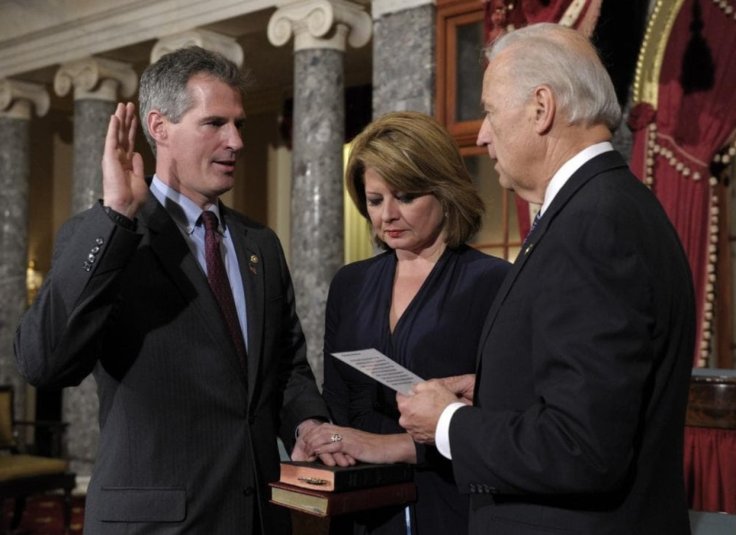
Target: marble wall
[(404, 61)]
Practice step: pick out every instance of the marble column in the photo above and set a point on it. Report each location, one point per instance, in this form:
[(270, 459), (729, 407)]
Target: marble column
[(321, 29), (97, 83), (17, 100), (404, 37)]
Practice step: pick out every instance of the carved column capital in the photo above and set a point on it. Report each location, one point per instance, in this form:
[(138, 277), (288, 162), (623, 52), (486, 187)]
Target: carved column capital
[(320, 24), (96, 78), (16, 99), (227, 46)]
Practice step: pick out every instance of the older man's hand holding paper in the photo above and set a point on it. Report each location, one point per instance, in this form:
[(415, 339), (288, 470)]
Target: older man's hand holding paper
[(426, 403), (460, 385), (421, 402)]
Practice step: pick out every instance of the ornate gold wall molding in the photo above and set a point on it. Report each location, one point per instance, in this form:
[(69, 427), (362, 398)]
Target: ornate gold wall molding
[(651, 54)]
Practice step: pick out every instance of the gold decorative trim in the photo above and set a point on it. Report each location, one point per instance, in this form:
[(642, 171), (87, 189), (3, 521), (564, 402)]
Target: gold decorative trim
[(710, 276), (661, 146), (724, 156), (651, 53)]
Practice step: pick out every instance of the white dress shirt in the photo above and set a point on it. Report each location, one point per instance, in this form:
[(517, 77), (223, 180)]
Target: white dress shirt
[(186, 214)]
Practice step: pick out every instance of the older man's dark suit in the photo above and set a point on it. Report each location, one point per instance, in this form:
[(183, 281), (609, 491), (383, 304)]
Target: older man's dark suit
[(186, 445), (583, 373)]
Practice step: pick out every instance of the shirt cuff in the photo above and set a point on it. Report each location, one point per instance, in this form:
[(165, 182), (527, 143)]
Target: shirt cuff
[(442, 433)]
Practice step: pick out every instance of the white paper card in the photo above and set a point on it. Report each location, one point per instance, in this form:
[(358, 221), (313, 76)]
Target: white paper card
[(381, 368)]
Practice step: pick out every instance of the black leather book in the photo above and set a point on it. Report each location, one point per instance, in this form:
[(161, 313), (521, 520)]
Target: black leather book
[(315, 475)]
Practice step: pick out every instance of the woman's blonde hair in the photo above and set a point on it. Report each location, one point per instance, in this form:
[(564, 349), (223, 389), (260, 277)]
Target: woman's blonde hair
[(413, 153)]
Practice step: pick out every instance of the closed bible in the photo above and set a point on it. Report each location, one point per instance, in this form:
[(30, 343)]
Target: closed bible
[(327, 503), (314, 475)]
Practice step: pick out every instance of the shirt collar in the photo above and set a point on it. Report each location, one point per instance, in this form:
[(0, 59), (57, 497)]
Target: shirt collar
[(564, 173), (181, 208)]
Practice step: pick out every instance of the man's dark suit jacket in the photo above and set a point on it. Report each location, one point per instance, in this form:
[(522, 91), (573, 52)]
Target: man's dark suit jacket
[(583, 374), (186, 446)]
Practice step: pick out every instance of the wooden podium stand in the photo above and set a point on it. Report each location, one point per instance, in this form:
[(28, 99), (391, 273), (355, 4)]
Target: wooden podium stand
[(306, 524)]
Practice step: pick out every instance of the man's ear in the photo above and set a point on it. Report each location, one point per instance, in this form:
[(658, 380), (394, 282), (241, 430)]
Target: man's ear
[(157, 126), (545, 109)]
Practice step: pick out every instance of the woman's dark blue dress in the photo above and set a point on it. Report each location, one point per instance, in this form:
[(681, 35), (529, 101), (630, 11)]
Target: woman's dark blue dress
[(437, 336)]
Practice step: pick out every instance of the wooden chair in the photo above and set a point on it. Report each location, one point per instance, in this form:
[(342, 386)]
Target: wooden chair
[(23, 474)]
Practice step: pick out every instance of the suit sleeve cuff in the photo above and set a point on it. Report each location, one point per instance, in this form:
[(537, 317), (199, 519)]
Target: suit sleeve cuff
[(442, 433), (120, 219)]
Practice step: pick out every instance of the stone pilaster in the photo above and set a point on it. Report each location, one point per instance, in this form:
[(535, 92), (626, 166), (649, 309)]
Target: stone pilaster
[(97, 83), (404, 38), (17, 100), (321, 29)]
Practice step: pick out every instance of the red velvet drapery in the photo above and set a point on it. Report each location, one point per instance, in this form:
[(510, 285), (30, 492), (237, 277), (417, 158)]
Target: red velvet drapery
[(710, 469), (675, 144), (505, 15)]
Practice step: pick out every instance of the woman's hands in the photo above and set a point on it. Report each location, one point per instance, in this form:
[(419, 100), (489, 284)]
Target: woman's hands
[(348, 445), (303, 452)]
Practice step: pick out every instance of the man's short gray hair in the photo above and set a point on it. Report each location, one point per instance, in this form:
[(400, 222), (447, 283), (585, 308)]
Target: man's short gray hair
[(163, 84), (541, 55)]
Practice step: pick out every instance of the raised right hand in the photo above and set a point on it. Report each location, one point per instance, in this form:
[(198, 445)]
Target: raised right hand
[(124, 188)]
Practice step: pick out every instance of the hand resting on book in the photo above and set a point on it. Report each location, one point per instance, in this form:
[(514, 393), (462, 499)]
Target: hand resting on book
[(356, 445), (301, 453)]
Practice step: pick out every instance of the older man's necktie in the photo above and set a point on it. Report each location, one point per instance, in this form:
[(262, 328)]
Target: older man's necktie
[(537, 217), (526, 246), (220, 284)]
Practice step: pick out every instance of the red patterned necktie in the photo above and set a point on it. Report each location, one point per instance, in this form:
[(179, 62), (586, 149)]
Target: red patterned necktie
[(220, 284)]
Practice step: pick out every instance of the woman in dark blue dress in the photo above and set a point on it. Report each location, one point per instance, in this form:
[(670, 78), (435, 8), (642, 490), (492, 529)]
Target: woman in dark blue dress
[(422, 302)]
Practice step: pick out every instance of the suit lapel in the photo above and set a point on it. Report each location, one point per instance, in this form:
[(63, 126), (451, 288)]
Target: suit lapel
[(251, 271), (506, 286), (591, 168), (181, 266)]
